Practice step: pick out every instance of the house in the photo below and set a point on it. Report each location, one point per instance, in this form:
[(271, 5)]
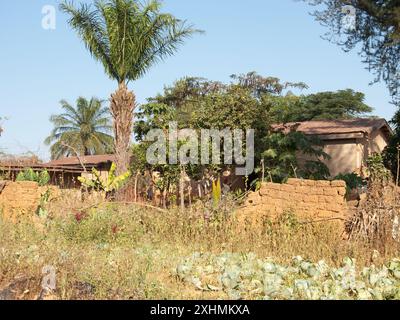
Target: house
[(349, 143), (63, 172), (84, 164)]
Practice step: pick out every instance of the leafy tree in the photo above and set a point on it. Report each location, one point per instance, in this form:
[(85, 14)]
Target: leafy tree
[(391, 153), (259, 85), (127, 37), (84, 129), (250, 101), (375, 29), (281, 157), (343, 104)]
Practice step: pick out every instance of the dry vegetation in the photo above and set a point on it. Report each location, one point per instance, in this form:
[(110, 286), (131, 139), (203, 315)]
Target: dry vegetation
[(119, 251)]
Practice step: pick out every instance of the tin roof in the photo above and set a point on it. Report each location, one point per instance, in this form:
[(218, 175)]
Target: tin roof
[(326, 127)]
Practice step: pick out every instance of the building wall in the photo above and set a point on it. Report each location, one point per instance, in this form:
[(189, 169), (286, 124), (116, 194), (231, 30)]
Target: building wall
[(90, 175), (350, 154), (19, 199), (346, 156), (307, 199), (378, 141)]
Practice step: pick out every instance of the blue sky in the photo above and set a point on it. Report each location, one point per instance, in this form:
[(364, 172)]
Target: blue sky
[(278, 38)]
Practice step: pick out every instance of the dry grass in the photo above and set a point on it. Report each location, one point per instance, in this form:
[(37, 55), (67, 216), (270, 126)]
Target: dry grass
[(128, 252)]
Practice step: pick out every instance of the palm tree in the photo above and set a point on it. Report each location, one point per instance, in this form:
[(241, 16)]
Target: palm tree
[(84, 130), (127, 37)]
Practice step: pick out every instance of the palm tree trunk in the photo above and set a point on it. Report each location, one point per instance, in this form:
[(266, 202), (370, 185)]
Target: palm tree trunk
[(122, 107)]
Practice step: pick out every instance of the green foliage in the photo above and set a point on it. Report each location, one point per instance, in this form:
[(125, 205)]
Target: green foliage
[(127, 36), (110, 184), (44, 200), (249, 101), (42, 177), (169, 175), (98, 227), (376, 35), (377, 169), (84, 129), (392, 151), (353, 181), (343, 104), (282, 152), (139, 161)]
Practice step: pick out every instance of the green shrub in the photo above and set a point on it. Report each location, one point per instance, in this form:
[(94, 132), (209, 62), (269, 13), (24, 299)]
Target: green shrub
[(353, 181), (42, 177)]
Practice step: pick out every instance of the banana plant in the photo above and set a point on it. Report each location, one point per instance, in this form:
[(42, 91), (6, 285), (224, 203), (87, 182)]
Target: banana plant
[(110, 184)]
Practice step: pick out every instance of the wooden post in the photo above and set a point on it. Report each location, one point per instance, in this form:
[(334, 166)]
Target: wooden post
[(190, 196), (199, 187), (263, 171), (181, 190), (136, 182)]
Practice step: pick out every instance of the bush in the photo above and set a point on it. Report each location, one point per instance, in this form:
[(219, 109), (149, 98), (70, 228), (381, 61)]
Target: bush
[(42, 178), (353, 181)]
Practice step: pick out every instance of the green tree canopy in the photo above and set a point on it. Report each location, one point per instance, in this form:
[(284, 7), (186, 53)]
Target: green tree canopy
[(342, 104), (391, 153), (373, 26), (84, 129), (250, 101)]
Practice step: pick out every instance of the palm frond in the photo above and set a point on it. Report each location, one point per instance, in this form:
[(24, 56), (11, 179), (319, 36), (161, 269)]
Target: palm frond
[(90, 29), (86, 128), (127, 36)]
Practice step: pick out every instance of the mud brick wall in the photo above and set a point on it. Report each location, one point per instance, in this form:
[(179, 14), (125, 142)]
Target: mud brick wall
[(308, 199), (18, 199)]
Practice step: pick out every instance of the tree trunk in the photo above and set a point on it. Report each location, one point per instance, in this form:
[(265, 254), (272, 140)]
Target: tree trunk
[(122, 107)]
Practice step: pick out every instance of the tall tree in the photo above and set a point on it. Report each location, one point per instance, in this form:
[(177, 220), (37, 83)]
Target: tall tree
[(85, 129), (371, 25), (342, 104), (392, 151), (127, 37)]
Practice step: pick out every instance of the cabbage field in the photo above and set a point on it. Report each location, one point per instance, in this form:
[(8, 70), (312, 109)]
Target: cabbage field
[(244, 276)]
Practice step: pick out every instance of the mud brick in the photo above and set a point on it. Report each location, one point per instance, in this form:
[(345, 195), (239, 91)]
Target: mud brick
[(323, 183), (294, 182), (331, 192), (338, 183)]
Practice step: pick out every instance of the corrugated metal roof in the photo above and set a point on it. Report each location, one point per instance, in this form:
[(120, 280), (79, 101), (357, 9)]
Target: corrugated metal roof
[(87, 160), (325, 127)]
